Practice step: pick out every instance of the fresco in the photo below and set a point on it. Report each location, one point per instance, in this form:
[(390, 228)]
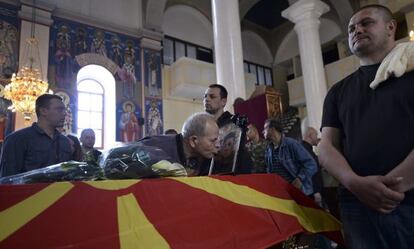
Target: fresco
[(9, 54), (130, 122), (72, 42), (152, 92), (9, 40), (152, 73), (154, 117)]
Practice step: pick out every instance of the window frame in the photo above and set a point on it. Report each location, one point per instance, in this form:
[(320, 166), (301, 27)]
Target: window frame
[(102, 130), (257, 66), (186, 44)]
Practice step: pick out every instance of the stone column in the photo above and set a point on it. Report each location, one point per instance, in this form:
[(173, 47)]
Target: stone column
[(228, 48), (305, 14)]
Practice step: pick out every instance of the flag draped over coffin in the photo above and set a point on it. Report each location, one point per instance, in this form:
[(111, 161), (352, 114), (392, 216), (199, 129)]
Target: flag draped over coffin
[(246, 211)]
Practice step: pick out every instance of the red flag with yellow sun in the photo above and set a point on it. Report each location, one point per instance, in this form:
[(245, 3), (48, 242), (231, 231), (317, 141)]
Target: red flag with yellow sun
[(246, 211)]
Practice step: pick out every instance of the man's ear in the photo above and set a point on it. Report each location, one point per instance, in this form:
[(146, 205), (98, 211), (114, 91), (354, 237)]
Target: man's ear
[(392, 27), (193, 141), (223, 102), (42, 111)]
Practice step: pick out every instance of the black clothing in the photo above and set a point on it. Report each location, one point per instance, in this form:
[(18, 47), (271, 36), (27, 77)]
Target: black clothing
[(172, 145), (31, 148), (96, 154), (317, 177), (224, 119), (376, 125)]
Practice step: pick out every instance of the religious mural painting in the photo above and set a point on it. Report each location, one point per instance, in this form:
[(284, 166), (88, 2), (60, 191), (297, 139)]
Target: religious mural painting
[(152, 73), (130, 122), (9, 59), (127, 73), (153, 92), (153, 116), (9, 41), (71, 43)]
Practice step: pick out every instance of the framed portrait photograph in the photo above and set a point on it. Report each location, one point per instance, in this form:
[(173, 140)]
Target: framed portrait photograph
[(225, 160)]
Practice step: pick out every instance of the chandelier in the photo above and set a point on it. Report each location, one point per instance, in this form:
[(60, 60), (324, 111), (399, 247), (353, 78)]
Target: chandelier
[(27, 85)]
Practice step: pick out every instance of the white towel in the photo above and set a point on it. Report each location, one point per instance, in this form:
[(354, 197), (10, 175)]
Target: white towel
[(398, 61)]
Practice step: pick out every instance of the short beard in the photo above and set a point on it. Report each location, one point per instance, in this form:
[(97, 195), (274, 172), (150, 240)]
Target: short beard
[(361, 52), (212, 112)]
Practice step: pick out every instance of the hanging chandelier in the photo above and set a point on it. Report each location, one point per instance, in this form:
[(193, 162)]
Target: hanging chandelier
[(27, 85)]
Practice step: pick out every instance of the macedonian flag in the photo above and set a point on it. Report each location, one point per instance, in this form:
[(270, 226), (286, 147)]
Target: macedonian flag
[(246, 211)]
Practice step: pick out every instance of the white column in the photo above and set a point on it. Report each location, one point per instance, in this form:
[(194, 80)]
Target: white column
[(228, 48), (305, 14)]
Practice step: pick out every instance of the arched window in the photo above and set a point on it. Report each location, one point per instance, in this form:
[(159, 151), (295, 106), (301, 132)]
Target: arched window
[(91, 108), (96, 104)]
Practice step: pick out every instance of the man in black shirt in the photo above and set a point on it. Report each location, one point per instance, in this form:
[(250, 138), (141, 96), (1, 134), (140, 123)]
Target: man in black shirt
[(368, 140), (39, 145), (215, 99)]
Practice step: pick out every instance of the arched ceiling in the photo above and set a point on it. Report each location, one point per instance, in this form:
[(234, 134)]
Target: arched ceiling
[(204, 6), (245, 6), (344, 11), (267, 13), (154, 12), (264, 14)]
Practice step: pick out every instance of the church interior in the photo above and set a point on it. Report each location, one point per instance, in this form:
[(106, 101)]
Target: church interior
[(149, 62), (155, 58)]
